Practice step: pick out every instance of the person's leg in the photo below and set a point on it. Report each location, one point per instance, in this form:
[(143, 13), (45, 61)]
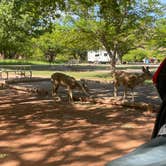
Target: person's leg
[(160, 120)]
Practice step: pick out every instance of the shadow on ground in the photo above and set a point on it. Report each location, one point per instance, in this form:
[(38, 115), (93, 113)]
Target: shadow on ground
[(146, 93), (42, 132)]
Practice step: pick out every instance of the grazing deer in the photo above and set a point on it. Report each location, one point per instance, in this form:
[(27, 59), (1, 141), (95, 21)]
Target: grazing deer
[(60, 79), (129, 80)]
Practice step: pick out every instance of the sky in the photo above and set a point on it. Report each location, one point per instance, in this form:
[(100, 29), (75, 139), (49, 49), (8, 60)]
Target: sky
[(163, 1)]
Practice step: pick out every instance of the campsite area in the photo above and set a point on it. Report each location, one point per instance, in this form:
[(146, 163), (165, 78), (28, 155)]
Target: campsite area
[(62, 63), (38, 130)]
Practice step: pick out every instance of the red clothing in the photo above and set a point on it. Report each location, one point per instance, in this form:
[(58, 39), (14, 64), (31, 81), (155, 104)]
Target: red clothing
[(155, 76)]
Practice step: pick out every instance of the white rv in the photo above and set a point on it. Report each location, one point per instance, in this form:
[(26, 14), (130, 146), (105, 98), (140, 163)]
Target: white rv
[(99, 56)]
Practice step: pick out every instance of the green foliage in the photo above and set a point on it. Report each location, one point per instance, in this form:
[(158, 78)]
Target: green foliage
[(39, 29), (158, 39), (21, 20), (13, 28), (37, 54), (136, 55), (118, 26), (159, 55), (61, 58), (64, 41), (49, 44)]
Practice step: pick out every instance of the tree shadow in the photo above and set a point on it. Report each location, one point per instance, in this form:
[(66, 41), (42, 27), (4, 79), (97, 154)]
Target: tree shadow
[(48, 133)]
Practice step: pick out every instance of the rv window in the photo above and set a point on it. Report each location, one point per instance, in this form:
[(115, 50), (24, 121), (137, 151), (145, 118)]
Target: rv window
[(105, 54), (96, 55)]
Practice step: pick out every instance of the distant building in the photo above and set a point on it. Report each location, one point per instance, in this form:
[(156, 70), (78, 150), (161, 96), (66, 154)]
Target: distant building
[(99, 56)]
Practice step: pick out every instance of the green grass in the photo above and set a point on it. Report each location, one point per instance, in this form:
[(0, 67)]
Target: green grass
[(97, 75), (43, 69), (101, 75), (38, 62), (92, 75), (22, 62)]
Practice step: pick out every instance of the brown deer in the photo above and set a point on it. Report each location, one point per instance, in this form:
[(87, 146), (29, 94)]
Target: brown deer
[(61, 79), (129, 80)]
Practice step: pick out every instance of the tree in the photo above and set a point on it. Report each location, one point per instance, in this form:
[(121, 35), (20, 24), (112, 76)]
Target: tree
[(50, 43), (137, 55), (159, 34), (21, 20), (77, 43), (156, 39), (114, 23), (10, 34), (64, 39)]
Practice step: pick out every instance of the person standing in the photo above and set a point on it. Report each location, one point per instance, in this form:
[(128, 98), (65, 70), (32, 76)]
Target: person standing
[(159, 80)]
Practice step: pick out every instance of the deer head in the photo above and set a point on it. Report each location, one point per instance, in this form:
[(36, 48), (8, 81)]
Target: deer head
[(147, 73)]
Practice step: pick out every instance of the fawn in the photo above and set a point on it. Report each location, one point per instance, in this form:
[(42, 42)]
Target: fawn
[(60, 79), (129, 80)]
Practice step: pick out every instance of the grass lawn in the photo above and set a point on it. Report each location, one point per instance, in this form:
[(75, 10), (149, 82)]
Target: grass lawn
[(92, 75), (43, 69), (22, 62), (95, 75)]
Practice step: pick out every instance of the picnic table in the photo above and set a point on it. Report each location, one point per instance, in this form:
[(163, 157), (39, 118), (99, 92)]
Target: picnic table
[(18, 70)]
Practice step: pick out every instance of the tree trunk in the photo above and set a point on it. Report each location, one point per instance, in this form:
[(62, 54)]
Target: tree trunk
[(119, 59), (113, 61), (114, 56)]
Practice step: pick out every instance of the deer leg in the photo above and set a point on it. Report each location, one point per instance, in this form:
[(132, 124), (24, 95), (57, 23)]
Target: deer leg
[(132, 91), (84, 91), (124, 94), (70, 94), (54, 89), (82, 88), (115, 90), (85, 88)]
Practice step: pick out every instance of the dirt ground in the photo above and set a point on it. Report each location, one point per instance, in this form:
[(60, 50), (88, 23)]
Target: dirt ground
[(37, 130)]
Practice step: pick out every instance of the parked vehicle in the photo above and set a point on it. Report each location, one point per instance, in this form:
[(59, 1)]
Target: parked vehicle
[(99, 56)]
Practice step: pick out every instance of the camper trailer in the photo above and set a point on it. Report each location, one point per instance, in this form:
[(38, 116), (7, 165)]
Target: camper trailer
[(99, 56)]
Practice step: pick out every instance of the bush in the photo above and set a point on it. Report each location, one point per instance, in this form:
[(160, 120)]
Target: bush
[(60, 58), (138, 55)]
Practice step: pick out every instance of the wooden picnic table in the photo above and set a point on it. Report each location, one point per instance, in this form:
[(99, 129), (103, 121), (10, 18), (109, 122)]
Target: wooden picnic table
[(18, 70)]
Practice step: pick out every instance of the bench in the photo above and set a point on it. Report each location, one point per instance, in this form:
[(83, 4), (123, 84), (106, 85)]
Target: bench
[(19, 71)]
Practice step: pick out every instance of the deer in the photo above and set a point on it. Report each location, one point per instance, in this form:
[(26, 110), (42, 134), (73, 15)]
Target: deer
[(64, 80), (129, 80)]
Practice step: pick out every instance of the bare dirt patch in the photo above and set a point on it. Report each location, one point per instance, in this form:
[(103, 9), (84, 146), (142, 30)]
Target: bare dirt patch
[(39, 131)]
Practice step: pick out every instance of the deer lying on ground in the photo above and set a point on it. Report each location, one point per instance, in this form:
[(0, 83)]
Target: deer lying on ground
[(129, 80), (60, 79)]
